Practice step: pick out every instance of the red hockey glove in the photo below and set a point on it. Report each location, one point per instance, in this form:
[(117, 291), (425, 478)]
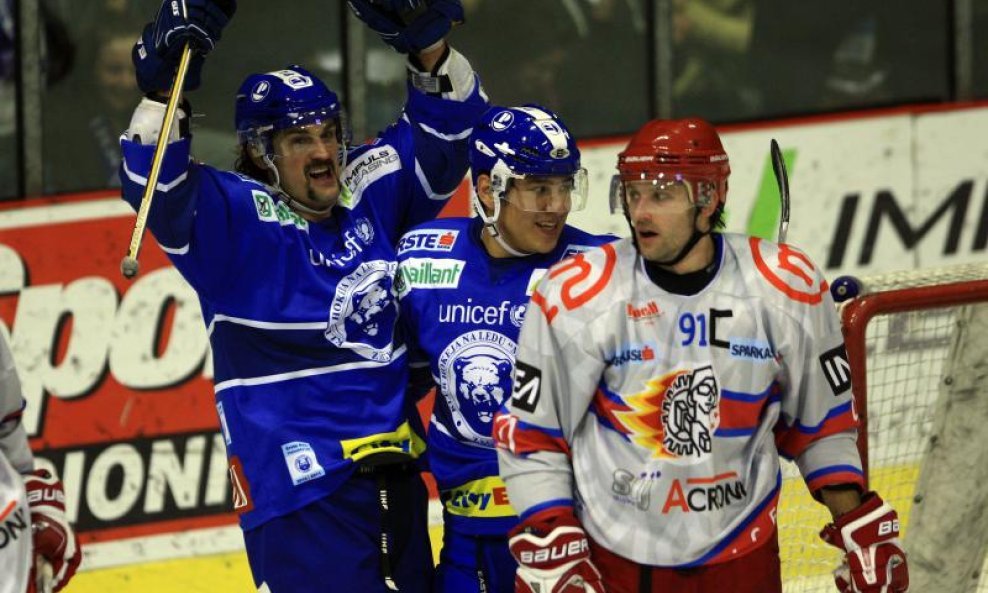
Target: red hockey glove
[(869, 536), (553, 555), (54, 539)]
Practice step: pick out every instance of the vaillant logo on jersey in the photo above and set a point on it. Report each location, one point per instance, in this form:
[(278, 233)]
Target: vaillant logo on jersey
[(428, 240), (633, 354), (269, 210), (471, 314), (836, 369), (643, 312), (429, 273), (757, 350), (354, 241)]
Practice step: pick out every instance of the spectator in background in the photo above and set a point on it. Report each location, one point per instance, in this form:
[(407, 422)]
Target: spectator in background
[(711, 41), (57, 57), (83, 119)]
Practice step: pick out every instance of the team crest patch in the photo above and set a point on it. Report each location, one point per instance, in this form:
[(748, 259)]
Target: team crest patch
[(363, 314), (475, 379), (303, 465), (676, 415)]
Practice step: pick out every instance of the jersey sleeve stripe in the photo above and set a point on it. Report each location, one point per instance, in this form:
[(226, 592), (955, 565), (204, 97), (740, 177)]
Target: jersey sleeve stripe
[(302, 373), (549, 504), (840, 474), (834, 413)]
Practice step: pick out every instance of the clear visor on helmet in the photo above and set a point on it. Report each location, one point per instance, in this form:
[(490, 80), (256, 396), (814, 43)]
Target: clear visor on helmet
[(308, 139), (660, 193), (548, 193), (304, 132)]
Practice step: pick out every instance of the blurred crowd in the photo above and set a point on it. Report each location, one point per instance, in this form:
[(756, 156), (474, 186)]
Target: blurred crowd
[(590, 60)]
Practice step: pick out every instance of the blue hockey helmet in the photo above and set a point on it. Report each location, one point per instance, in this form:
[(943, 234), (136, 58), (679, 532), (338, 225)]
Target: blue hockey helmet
[(283, 99), (515, 142), (510, 143)]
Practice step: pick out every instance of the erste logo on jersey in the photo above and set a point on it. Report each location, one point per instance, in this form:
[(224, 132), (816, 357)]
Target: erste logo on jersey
[(474, 380), (675, 416), (428, 240), (363, 313)]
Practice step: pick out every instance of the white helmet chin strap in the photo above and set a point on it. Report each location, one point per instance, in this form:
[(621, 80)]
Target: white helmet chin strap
[(499, 184), (287, 199)]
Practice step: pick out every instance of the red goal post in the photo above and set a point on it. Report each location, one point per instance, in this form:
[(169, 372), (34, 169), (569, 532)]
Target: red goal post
[(912, 341), (902, 292)]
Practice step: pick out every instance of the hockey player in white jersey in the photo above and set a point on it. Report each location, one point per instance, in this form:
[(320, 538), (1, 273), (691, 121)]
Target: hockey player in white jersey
[(464, 285), (39, 551), (293, 259), (659, 379)]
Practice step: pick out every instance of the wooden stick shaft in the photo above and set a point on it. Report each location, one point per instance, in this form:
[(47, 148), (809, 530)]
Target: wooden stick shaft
[(159, 153)]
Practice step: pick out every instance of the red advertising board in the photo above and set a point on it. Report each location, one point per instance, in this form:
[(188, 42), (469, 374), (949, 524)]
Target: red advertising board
[(117, 373)]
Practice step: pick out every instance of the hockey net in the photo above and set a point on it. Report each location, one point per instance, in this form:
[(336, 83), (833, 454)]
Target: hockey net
[(906, 341)]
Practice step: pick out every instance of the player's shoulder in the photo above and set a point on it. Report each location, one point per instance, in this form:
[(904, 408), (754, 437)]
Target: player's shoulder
[(439, 238), (583, 284), (779, 271), (574, 240), (251, 200)]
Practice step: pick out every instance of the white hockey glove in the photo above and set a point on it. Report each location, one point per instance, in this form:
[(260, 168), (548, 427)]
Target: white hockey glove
[(553, 555), (54, 539), (145, 124), (874, 561)]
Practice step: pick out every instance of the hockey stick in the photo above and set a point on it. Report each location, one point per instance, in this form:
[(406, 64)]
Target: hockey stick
[(44, 575), (129, 265), (782, 178)]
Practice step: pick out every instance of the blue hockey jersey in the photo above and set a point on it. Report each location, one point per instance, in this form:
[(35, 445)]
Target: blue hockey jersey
[(463, 310), (310, 374)]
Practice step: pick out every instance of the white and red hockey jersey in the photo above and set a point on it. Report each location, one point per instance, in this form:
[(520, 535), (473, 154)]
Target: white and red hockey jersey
[(661, 417)]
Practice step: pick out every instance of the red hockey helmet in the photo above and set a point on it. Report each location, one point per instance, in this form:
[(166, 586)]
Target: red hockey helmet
[(676, 150)]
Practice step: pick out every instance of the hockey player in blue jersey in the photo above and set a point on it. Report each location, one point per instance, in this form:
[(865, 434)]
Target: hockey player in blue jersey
[(464, 285), (293, 259)]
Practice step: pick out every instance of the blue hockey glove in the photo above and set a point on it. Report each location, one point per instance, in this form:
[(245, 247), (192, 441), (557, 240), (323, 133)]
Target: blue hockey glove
[(158, 51), (200, 22), (409, 26)]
